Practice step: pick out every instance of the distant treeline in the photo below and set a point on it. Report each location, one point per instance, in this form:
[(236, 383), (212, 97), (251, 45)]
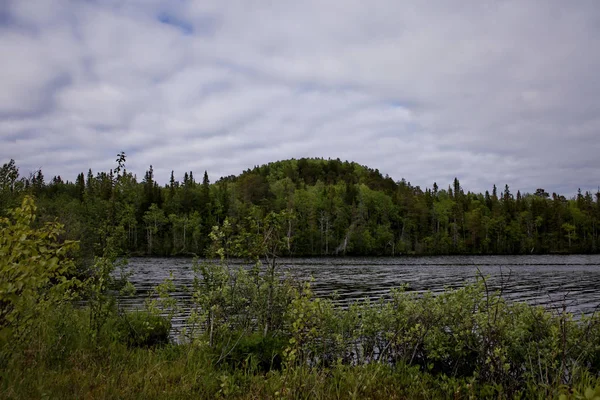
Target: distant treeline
[(330, 208)]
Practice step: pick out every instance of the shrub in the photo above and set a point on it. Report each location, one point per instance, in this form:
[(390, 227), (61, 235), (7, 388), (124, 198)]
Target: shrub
[(35, 271), (253, 351), (143, 329)]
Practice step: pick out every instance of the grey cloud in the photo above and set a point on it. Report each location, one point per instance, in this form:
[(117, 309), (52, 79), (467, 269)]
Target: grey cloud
[(488, 91)]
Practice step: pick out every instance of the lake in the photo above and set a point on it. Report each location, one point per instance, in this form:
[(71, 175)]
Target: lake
[(548, 280)]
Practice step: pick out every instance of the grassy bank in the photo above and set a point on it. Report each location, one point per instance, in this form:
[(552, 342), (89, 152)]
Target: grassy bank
[(543, 357)]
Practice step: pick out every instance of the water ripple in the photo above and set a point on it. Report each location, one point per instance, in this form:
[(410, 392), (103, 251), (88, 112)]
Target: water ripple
[(550, 280)]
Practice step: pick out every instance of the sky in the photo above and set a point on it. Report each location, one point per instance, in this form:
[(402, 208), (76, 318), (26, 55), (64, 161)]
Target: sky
[(492, 92)]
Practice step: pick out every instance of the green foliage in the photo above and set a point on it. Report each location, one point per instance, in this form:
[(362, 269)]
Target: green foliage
[(100, 280), (35, 271), (465, 340), (256, 352), (467, 333), (63, 363), (228, 302), (161, 302), (332, 208), (143, 329)]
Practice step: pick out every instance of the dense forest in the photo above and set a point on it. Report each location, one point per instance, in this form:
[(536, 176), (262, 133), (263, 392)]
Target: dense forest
[(330, 207)]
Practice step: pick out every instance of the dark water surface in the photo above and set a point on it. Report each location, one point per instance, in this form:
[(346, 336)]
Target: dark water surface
[(551, 280)]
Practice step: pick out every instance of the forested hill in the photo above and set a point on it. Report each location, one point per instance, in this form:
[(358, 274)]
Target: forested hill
[(329, 207), (311, 171)]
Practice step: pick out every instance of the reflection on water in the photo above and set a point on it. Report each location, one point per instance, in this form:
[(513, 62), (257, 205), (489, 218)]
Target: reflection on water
[(552, 281)]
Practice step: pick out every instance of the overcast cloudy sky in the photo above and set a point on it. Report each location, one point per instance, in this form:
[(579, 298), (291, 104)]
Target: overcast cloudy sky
[(488, 91)]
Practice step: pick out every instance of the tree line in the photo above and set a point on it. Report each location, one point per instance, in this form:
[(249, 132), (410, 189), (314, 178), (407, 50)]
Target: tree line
[(328, 207)]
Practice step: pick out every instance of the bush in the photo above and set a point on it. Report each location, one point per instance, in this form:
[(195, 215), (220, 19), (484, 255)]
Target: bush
[(254, 351), (35, 271), (143, 329)]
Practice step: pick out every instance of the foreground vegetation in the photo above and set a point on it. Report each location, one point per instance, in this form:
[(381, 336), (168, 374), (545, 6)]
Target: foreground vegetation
[(255, 334), (332, 208)]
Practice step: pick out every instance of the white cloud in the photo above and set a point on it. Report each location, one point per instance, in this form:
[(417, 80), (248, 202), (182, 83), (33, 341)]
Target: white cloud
[(491, 92)]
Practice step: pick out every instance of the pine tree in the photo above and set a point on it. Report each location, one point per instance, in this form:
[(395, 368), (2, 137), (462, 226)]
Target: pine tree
[(89, 183), (80, 186), (205, 195)]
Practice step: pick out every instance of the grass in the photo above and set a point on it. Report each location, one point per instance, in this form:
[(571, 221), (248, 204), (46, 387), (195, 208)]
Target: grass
[(60, 360)]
